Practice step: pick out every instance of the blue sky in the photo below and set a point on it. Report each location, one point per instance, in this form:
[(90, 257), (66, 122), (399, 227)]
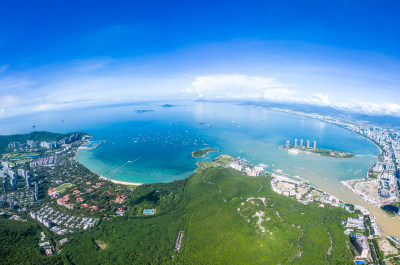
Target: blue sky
[(56, 55)]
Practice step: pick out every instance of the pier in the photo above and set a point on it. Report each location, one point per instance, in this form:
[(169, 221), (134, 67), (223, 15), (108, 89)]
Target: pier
[(115, 170)]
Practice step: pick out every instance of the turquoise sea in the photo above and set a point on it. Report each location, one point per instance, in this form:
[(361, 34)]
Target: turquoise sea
[(161, 141)]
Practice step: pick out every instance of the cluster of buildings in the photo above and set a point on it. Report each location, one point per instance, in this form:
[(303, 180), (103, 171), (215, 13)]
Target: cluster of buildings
[(61, 223), (15, 195), (45, 160), (9, 176), (64, 201), (32, 144), (356, 222), (18, 200), (300, 145), (71, 139), (243, 166), (303, 192), (387, 170), (45, 244)]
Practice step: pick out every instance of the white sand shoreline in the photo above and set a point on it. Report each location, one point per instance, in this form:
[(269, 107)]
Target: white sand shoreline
[(121, 182)]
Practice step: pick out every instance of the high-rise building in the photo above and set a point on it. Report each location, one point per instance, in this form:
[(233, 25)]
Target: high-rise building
[(301, 143), (21, 172), (308, 144), (5, 165), (48, 145), (37, 192), (314, 145), (36, 176), (295, 142), (28, 181), (1, 201), (11, 205), (14, 145), (10, 172), (287, 145), (5, 183), (32, 144), (361, 244), (14, 183)]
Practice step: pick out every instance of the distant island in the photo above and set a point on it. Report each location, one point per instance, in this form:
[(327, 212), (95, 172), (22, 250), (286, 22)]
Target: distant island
[(143, 110), (203, 152), (168, 106), (318, 151)]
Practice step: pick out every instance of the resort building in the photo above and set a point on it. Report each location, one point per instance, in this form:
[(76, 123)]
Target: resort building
[(361, 244)]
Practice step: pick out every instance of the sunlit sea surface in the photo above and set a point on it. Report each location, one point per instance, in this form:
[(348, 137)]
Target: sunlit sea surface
[(160, 141)]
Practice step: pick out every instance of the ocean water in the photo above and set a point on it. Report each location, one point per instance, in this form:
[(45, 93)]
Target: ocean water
[(160, 141)]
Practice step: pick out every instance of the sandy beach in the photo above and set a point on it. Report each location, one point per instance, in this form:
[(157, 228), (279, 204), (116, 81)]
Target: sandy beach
[(121, 182)]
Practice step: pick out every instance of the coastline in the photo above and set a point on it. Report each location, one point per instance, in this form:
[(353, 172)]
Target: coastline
[(310, 152), (216, 150), (102, 177), (119, 181)]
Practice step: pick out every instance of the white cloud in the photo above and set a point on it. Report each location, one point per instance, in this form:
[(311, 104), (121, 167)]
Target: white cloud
[(235, 86), (392, 109), (9, 101), (278, 94), (68, 90)]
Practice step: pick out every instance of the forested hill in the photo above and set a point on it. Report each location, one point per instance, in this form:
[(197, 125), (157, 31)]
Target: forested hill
[(36, 136), (223, 220)]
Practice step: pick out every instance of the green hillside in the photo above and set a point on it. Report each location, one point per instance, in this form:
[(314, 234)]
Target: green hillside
[(36, 136), (219, 226), (19, 244)]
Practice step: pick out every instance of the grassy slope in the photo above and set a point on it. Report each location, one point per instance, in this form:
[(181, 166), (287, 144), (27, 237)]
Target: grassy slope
[(205, 208)]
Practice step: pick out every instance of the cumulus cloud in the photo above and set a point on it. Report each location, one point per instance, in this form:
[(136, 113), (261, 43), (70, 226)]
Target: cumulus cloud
[(235, 86), (392, 109), (20, 94)]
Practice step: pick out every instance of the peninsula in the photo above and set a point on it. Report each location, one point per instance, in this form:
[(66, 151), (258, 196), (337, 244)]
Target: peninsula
[(203, 152), (318, 151)]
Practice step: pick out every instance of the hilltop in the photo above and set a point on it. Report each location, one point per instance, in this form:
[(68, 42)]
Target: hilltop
[(35, 136), (226, 218)]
